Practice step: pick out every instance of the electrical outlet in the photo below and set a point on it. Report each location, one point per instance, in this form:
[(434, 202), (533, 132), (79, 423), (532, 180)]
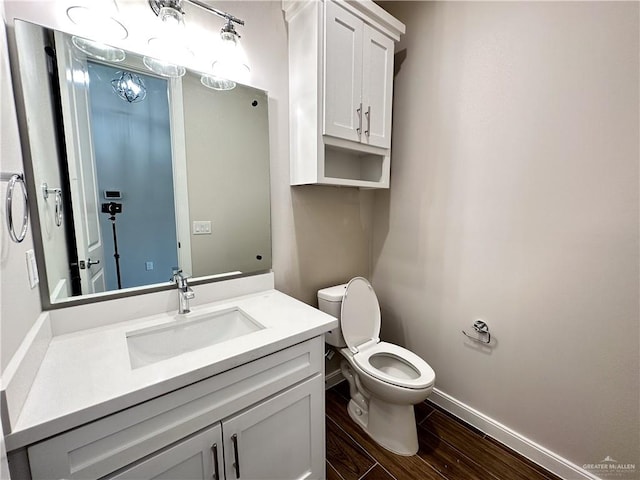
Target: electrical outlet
[(148, 266)]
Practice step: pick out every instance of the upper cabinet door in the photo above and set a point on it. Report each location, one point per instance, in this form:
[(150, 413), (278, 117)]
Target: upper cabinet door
[(377, 89), (342, 73)]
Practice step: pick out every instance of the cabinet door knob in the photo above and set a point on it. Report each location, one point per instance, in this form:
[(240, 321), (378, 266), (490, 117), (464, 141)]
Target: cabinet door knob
[(216, 468), (236, 462), (368, 115), (359, 112)]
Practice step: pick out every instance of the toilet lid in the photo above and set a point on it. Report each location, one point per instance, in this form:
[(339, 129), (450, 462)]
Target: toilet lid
[(360, 314)]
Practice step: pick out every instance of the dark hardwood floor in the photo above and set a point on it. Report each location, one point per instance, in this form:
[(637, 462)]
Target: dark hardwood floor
[(449, 449)]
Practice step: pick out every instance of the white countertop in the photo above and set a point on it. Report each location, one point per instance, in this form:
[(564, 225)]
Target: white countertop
[(86, 375)]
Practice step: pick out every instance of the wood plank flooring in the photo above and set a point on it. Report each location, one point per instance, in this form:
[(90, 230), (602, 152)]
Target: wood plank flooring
[(449, 449)]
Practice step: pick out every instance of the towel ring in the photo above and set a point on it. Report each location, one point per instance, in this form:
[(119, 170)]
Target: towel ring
[(57, 192), (16, 177)]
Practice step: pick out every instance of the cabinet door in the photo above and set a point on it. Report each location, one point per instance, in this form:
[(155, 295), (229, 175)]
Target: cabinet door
[(377, 88), (196, 458), (282, 438), (342, 73)]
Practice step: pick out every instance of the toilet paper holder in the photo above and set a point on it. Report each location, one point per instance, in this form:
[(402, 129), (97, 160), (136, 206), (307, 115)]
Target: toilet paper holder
[(482, 329)]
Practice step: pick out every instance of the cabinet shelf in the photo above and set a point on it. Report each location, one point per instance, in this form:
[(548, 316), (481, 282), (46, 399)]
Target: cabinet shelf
[(354, 168)]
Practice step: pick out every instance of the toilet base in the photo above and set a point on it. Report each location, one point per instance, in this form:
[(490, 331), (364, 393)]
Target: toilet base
[(391, 426), (358, 415)]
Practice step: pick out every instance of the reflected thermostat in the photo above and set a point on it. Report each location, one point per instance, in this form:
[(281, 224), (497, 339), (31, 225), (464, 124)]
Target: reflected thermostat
[(112, 195)]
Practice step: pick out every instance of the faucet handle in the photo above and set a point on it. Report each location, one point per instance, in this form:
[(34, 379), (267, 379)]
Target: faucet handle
[(177, 273), (179, 278)]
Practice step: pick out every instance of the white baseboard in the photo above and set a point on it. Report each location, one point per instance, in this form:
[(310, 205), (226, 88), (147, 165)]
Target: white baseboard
[(331, 379), (517, 442)]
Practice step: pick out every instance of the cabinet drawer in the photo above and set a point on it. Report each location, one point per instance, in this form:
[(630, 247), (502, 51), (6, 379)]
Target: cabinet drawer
[(101, 447)]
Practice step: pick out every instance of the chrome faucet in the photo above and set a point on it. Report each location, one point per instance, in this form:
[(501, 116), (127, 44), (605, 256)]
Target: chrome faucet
[(184, 291)]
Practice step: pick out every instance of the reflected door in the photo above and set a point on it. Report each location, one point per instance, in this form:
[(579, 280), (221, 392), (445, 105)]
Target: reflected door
[(132, 147), (81, 165)]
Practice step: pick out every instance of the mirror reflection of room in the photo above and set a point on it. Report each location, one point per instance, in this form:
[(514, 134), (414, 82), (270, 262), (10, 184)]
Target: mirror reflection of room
[(131, 139), (133, 209)]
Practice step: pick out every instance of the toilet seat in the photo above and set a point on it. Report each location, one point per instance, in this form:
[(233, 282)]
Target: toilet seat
[(395, 365), (360, 324)]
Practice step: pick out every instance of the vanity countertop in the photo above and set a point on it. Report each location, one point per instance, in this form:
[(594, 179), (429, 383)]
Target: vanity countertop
[(86, 375)]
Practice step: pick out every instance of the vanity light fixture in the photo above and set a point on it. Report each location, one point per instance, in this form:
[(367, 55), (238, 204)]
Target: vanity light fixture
[(98, 50), (217, 83), (163, 67), (129, 87), (168, 49), (229, 65), (99, 23)]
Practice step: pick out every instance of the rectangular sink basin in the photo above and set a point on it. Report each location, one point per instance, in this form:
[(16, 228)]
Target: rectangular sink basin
[(193, 332)]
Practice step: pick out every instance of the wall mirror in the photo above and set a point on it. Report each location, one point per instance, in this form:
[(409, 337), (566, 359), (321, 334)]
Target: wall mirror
[(133, 175)]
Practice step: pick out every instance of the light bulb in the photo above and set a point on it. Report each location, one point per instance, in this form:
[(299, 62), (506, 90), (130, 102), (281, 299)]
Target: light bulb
[(171, 18), (230, 63)]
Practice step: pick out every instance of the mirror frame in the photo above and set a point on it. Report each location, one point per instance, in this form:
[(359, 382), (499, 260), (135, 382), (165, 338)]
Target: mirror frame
[(33, 191)]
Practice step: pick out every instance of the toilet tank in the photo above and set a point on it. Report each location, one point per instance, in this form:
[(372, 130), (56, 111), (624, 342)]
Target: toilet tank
[(330, 301)]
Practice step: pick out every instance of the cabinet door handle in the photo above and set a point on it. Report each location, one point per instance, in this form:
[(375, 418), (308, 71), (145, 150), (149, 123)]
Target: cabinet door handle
[(236, 463), (368, 115), (216, 468), (359, 112)]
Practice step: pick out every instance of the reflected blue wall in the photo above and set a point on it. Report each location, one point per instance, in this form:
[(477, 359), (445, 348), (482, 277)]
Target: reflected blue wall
[(132, 145)]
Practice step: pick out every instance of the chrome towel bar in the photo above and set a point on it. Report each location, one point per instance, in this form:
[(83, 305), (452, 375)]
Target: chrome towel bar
[(14, 178)]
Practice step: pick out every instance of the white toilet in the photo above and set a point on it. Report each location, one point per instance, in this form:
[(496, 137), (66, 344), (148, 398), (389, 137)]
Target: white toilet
[(385, 380)]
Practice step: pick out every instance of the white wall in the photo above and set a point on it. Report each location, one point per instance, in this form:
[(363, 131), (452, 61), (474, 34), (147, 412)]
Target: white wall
[(19, 305), (514, 198)]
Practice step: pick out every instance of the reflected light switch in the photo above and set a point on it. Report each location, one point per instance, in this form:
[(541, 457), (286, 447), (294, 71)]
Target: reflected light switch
[(202, 227)]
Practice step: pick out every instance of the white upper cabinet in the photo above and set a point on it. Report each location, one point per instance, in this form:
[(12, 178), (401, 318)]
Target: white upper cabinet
[(358, 79), (343, 74), (340, 91), (377, 87)]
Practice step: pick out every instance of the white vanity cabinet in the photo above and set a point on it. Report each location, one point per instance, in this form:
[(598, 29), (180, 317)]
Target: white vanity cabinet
[(197, 457), (261, 420), (275, 439), (341, 86), (272, 440)]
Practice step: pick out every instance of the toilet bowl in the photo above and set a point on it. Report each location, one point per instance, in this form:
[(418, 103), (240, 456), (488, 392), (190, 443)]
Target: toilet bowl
[(385, 380)]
